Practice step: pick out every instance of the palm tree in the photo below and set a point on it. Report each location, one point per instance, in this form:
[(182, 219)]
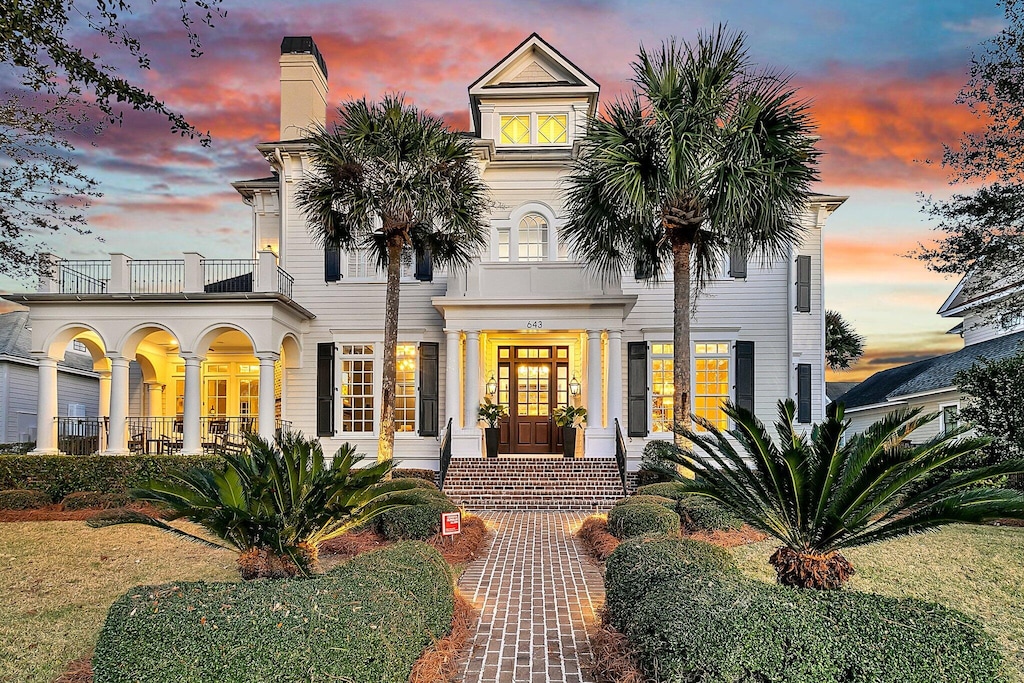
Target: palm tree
[(705, 156), (843, 346), (394, 181), (821, 494)]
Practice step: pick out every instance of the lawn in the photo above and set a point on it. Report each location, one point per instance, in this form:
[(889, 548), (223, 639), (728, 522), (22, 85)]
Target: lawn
[(978, 570), (57, 580)]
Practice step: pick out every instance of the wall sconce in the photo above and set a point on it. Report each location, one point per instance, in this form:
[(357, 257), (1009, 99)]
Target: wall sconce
[(574, 386), (491, 386)]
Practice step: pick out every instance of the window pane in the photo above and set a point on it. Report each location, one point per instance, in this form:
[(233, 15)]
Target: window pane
[(551, 129), (662, 388), (711, 382), (405, 388), (503, 244), (357, 388), (515, 130), (533, 238)]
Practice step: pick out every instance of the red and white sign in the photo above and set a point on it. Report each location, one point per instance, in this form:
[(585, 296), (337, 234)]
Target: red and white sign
[(451, 523)]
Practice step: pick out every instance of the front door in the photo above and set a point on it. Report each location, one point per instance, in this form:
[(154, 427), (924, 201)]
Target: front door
[(532, 427)]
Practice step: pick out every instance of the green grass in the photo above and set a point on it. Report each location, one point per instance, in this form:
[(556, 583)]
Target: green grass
[(57, 580), (978, 570)]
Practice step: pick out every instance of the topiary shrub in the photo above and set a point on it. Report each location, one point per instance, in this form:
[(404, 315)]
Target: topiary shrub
[(23, 499), (668, 489), (426, 475), (700, 513), (83, 500), (419, 519), (367, 620), (416, 482), (642, 519), (667, 503), (690, 615)]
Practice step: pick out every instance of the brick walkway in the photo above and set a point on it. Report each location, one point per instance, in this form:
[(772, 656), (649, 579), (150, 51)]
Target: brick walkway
[(536, 594)]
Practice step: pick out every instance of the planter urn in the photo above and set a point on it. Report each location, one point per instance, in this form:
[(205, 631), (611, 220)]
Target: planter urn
[(569, 442), (491, 437)]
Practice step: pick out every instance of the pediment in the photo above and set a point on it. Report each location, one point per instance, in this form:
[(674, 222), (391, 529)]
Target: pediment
[(534, 64)]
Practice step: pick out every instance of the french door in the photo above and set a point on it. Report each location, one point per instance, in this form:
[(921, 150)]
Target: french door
[(532, 382)]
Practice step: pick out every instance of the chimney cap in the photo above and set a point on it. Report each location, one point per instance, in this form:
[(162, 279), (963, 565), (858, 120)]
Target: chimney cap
[(303, 45)]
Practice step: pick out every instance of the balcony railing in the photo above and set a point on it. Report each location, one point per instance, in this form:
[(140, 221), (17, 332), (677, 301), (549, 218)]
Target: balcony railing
[(156, 277), (219, 434), (83, 277), (285, 282), (228, 275), (81, 435)]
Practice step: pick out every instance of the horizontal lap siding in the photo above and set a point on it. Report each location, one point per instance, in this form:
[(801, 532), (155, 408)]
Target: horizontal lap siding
[(808, 330)]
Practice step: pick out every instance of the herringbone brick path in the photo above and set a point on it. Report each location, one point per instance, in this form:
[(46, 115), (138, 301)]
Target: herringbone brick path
[(536, 594)]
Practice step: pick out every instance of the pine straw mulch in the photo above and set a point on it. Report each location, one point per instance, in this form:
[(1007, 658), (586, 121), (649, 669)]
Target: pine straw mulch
[(459, 549), (600, 543), (57, 513), (440, 662), (613, 658), (78, 671)]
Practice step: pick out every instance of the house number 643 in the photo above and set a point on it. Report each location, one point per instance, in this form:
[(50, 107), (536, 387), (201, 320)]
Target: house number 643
[(534, 324)]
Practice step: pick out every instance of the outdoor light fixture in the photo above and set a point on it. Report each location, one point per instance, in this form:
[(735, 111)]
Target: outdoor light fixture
[(574, 386), (491, 386)]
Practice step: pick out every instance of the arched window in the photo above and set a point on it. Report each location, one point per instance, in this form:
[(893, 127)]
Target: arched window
[(533, 238)]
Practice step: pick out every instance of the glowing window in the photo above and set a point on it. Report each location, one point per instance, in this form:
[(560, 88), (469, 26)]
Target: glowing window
[(357, 382), (405, 388), (551, 129), (711, 382), (662, 387), (533, 238), (515, 130)]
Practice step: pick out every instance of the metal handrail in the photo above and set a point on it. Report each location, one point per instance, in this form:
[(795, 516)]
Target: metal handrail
[(285, 282), (446, 454), (81, 435), (156, 276), (83, 277), (620, 456)]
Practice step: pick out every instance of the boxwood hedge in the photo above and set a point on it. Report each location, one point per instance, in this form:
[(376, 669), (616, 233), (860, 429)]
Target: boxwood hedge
[(692, 616), (23, 499), (82, 500), (642, 519), (419, 520), (366, 621), (666, 503), (667, 489), (700, 513)]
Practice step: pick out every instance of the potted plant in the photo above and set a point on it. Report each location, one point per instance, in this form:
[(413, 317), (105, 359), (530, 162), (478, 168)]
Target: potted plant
[(491, 413), (569, 419)]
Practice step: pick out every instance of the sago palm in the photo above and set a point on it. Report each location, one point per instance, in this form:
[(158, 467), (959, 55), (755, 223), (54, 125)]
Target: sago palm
[(819, 494), (705, 156), (275, 504), (394, 181)]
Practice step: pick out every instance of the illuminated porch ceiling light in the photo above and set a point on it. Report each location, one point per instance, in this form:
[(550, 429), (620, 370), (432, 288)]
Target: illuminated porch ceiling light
[(491, 386), (574, 386)]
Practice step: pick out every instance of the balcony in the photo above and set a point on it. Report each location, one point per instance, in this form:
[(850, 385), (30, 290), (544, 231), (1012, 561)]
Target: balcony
[(122, 274), (530, 280)]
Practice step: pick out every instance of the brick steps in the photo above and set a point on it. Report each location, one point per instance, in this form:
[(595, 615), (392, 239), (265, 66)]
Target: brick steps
[(509, 483)]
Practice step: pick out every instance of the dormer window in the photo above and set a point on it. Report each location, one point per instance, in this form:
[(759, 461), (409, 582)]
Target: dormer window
[(551, 129), (515, 130), (534, 129)]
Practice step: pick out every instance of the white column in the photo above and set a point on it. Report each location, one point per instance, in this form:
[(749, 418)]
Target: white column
[(614, 378), (104, 404), (190, 443), (117, 443), (452, 389), (46, 410), (155, 394), (594, 404), (471, 386), (267, 425)]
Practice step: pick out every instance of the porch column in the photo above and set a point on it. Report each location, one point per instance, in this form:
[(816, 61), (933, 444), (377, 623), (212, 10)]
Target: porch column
[(104, 405), (595, 418), (451, 378), (190, 443), (614, 378), (471, 386), (117, 442), (46, 410), (267, 426), (155, 399)]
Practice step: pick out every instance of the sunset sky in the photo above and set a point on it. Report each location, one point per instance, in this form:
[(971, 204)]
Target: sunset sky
[(883, 77)]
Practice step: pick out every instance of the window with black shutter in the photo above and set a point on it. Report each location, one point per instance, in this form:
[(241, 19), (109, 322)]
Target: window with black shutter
[(803, 393), (745, 375), (737, 262), (428, 389), (325, 389), (424, 267), (637, 389), (803, 284), (332, 263)]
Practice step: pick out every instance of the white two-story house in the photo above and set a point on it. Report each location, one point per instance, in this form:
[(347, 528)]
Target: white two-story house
[(189, 349)]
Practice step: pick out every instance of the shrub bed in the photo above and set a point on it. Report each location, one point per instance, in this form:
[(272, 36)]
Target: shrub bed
[(668, 489), (23, 499), (666, 503), (692, 616), (419, 520), (367, 620), (59, 475), (642, 519), (416, 482), (426, 475), (84, 500), (700, 513)]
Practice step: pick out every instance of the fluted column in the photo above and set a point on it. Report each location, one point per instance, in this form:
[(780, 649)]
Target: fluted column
[(614, 378), (117, 437), (46, 409), (451, 378), (190, 441), (471, 387), (267, 426)]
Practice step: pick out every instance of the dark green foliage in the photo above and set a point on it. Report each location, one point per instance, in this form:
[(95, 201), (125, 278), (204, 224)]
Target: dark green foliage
[(843, 346), (699, 513), (23, 499), (415, 482), (419, 519), (642, 519), (83, 500), (366, 621), (692, 616), (406, 472), (666, 503), (653, 467), (995, 392), (59, 475), (668, 489)]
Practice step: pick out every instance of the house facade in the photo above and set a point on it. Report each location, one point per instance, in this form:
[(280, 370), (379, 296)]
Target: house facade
[(293, 336)]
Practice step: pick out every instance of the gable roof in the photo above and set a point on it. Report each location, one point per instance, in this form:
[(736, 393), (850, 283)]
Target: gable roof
[(16, 342), (929, 375)]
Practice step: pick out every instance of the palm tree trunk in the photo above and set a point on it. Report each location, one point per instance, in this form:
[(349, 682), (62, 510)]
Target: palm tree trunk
[(681, 336), (386, 440)]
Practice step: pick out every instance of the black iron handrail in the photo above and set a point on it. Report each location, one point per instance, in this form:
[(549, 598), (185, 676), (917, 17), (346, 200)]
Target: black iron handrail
[(83, 277), (446, 454), (156, 276), (82, 435), (620, 456)]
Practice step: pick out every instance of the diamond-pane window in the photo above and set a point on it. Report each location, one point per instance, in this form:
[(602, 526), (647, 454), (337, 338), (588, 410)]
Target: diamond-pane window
[(515, 130), (551, 129)]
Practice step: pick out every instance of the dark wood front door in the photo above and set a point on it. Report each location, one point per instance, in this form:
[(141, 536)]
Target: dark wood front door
[(532, 402)]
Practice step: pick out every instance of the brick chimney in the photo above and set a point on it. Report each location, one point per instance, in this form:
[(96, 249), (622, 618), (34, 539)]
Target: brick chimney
[(303, 87)]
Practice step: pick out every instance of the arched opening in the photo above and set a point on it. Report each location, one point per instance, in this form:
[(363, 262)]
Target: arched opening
[(153, 352), (72, 404)]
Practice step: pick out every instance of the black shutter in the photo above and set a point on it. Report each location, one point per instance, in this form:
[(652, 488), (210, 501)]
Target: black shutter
[(424, 267), (325, 389), (643, 270), (803, 393), (428, 391), (737, 262), (332, 263), (636, 381), (803, 284), (745, 375)]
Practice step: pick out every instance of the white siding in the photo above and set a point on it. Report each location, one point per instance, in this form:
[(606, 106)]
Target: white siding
[(932, 403), (21, 386)]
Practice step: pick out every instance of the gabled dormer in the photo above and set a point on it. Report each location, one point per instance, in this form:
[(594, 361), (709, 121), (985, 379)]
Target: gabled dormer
[(534, 98)]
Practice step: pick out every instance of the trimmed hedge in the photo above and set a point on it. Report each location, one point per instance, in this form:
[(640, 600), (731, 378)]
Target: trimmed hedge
[(23, 499), (367, 620), (416, 482), (668, 489), (419, 520), (691, 615), (406, 472), (83, 500), (666, 503), (700, 513), (59, 475), (642, 519)]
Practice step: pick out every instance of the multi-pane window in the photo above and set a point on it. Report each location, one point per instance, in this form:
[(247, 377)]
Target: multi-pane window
[(711, 382), (515, 130), (405, 388), (551, 129), (504, 244), (949, 417), (357, 382), (248, 397), (362, 265), (533, 238), (662, 388)]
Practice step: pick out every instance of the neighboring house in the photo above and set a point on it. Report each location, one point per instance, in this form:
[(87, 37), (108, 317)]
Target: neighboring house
[(834, 390), (77, 383), (930, 384), (294, 333)]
